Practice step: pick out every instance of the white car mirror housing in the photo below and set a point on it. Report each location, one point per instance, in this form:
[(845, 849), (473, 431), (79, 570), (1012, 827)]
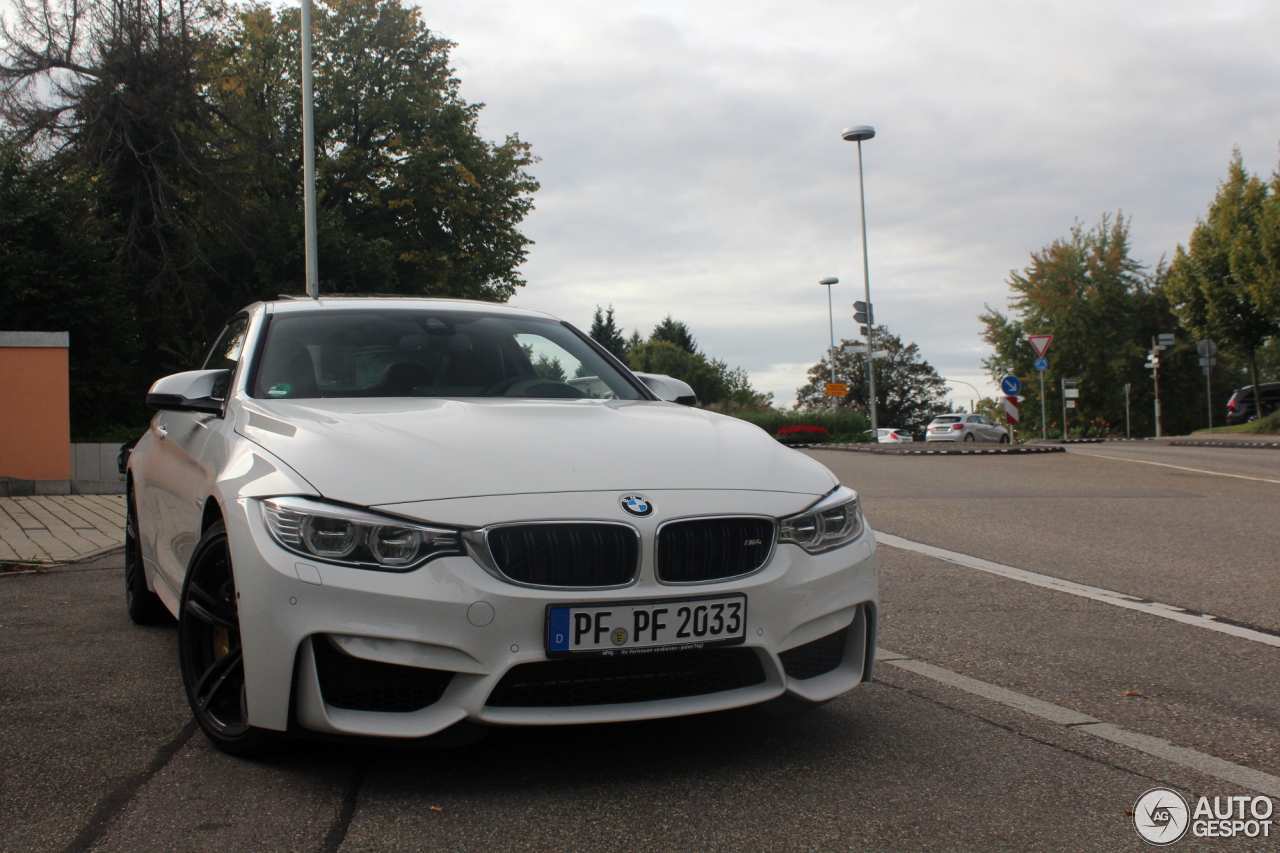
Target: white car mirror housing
[(669, 388), (192, 391)]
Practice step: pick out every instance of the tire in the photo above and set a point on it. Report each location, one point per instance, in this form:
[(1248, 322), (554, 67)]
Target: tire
[(209, 650), (144, 606), (1004, 439), (970, 437)]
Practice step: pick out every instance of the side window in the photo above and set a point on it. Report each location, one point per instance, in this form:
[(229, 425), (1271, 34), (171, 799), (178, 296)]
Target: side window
[(225, 354)]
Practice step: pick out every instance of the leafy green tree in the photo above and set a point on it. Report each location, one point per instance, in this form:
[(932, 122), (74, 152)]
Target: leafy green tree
[(181, 121), (909, 392), (57, 275), (675, 332), (607, 333), (1223, 285), (1103, 309)]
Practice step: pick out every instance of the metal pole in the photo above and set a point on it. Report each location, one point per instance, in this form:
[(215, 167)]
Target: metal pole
[(831, 319), (1066, 433), (1126, 410), (1155, 374), (866, 290), (1208, 392), (1044, 418), (309, 158)]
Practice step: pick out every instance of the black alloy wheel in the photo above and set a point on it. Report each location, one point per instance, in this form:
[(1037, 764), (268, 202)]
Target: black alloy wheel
[(145, 607), (1004, 439), (209, 649), (970, 437)]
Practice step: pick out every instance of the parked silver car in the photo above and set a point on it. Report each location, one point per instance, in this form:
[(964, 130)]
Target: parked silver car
[(965, 428), (892, 435)]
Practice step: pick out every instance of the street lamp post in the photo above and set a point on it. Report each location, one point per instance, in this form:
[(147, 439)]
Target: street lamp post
[(972, 405), (308, 159), (831, 321), (858, 134)]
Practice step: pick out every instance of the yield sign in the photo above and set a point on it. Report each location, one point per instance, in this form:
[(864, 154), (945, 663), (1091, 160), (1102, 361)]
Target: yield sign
[(1040, 343)]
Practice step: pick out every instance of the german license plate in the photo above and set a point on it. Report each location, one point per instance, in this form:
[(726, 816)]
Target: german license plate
[(641, 627)]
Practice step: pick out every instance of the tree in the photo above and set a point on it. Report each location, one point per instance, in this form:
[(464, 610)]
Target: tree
[(1222, 285), (672, 351), (606, 332), (1103, 309), (675, 332), (182, 123), (57, 275), (909, 392)]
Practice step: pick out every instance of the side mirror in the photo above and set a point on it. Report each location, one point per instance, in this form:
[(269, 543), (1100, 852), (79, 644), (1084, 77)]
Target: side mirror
[(193, 391), (669, 388)]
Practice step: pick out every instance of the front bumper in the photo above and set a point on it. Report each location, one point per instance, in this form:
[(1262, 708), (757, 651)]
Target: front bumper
[(452, 616)]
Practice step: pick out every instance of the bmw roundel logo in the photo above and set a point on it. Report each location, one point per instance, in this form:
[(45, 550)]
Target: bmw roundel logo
[(637, 505)]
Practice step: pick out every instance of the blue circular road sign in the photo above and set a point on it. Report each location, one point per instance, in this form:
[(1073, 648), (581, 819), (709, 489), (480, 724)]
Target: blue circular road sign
[(1010, 385), (1042, 364)]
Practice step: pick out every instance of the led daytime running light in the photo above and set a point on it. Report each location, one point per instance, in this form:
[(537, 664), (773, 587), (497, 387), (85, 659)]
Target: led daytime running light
[(833, 521), (351, 537)]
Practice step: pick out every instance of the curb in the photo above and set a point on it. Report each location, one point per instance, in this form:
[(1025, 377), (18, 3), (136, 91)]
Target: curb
[(900, 450), (1210, 442)]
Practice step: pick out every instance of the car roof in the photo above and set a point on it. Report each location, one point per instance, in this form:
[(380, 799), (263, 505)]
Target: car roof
[(298, 304)]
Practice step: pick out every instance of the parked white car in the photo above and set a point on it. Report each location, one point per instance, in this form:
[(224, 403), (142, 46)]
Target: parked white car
[(965, 428), (892, 435), (381, 517)]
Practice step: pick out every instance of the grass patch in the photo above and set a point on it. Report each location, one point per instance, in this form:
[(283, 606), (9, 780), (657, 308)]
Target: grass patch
[(1270, 425), (1232, 428)]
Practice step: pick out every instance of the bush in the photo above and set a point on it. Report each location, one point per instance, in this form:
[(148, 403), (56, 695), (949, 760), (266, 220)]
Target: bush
[(802, 434), (841, 425)]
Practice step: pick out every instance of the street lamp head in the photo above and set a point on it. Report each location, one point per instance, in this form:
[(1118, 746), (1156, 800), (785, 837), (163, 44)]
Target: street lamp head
[(828, 281), (859, 133)]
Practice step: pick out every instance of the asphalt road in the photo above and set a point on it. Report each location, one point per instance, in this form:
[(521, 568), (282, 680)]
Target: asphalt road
[(935, 754)]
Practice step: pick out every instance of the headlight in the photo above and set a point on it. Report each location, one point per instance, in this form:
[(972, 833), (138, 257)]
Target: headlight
[(352, 537), (831, 522)]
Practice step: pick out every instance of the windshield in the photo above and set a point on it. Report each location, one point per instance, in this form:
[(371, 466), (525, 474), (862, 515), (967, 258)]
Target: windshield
[(431, 353)]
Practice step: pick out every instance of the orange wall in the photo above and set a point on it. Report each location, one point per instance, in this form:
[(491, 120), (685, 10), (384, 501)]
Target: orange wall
[(35, 415)]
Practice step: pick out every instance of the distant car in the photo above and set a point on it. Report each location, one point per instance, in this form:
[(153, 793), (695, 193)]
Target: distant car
[(892, 435), (965, 428), (1241, 408)]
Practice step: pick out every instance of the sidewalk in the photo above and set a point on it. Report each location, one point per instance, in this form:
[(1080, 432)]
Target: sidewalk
[(58, 528)]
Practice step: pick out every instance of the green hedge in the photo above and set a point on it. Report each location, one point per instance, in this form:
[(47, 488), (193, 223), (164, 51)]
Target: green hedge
[(842, 425)]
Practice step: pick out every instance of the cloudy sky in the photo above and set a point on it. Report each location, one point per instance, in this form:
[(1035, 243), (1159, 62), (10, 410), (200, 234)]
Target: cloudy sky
[(692, 161)]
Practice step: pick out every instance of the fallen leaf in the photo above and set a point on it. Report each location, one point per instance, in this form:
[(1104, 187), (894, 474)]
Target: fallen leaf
[(436, 809), (1133, 693)]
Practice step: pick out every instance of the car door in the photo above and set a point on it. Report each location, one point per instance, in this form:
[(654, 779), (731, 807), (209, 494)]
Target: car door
[(181, 470)]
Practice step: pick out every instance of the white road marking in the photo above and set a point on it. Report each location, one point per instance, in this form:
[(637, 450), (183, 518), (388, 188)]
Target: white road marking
[(1201, 762), (1167, 465), (1106, 596)]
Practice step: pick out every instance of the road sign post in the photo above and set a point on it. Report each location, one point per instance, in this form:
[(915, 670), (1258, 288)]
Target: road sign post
[(1070, 393), (1040, 343), (1208, 349)]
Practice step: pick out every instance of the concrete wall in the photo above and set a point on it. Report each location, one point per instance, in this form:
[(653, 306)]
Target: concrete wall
[(94, 471), (35, 406)]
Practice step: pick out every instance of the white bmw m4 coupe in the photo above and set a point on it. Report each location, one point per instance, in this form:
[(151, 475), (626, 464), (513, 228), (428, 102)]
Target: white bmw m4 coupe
[(382, 517)]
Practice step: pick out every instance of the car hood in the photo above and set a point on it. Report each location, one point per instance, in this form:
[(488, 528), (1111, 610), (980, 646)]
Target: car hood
[(395, 450)]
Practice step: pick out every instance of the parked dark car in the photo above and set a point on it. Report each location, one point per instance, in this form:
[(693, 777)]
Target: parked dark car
[(1241, 407)]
